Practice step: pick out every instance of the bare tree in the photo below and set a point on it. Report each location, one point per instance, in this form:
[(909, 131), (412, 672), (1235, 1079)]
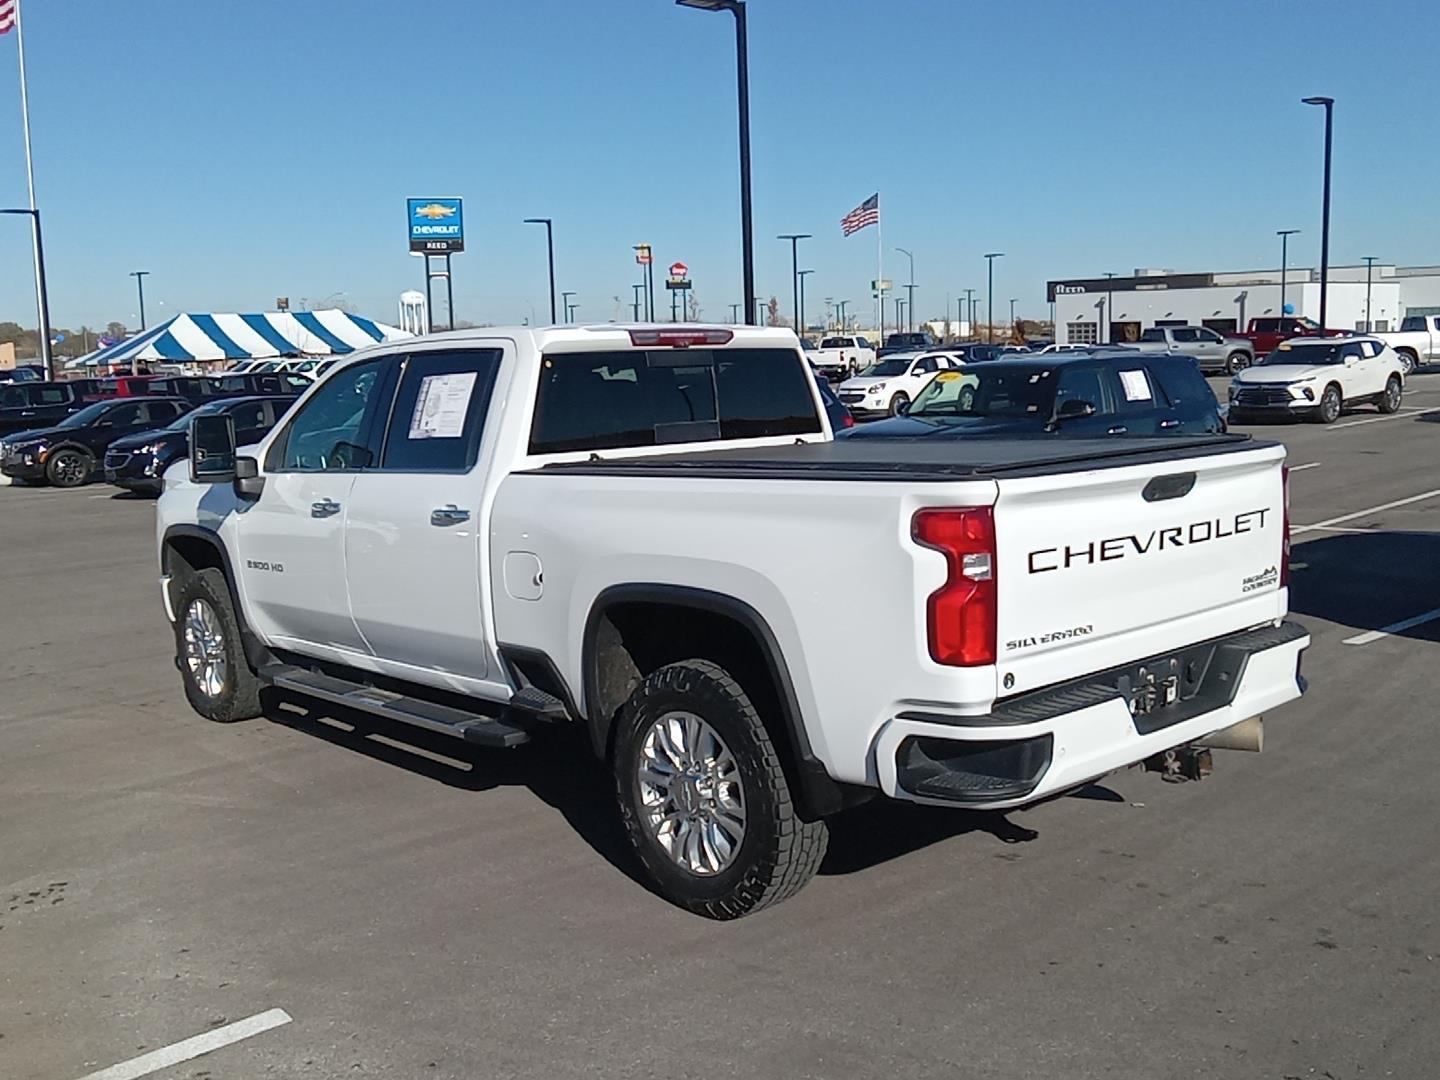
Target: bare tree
[(693, 305), (772, 313)]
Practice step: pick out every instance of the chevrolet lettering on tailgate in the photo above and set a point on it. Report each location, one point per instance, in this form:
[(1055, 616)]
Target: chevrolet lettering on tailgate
[(1121, 547)]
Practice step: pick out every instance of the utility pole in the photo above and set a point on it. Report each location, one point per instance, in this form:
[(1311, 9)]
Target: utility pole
[(1284, 235)]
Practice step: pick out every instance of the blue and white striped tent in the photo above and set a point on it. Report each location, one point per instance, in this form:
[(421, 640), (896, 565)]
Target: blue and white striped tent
[(229, 336)]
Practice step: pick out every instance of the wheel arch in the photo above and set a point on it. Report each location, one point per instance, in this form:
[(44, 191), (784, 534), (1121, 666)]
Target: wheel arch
[(633, 629), (193, 548)]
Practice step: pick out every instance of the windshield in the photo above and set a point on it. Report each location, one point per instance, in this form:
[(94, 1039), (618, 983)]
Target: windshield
[(835, 343), (994, 390), (1317, 353), (86, 416), (182, 423), (888, 367)]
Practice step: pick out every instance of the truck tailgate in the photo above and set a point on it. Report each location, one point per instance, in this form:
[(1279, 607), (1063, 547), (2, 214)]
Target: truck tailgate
[(1102, 567)]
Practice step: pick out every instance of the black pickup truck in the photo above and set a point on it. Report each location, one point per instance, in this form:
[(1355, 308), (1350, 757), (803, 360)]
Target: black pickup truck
[(41, 404)]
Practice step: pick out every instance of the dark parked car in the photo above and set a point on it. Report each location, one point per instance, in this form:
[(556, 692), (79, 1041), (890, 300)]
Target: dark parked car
[(69, 453), (23, 373), (1060, 394), (908, 341), (40, 404), (202, 388), (138, 462)]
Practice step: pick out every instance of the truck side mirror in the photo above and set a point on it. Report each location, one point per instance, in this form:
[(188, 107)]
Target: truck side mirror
[(212, 450)]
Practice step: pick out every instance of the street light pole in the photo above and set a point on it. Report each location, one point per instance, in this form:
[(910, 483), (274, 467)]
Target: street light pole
[(795, 239), (565, 299), (742, 76), (970, 311), (990, 294), (840, 308), (909, 289), (1109, 306), (550, 248), (139, 276), (1329, 104), (1369, 266), (639, 299), (1012, 314), (1284, 235), (47, 359), (801, 274)]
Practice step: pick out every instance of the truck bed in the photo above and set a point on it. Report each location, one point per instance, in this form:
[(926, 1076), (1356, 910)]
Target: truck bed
[(911, 460)]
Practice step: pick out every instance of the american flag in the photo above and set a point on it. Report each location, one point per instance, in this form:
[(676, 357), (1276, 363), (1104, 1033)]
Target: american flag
[(867, 213), (7, 15)]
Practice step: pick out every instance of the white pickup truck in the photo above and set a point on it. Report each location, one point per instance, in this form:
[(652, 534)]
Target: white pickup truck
[(481, 532), (841, 357), (1417, 342)]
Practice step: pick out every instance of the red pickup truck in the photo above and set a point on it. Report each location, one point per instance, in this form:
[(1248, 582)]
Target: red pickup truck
[(1265, 333)]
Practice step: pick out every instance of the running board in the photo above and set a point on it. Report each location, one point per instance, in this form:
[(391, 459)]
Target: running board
[(472, 727)]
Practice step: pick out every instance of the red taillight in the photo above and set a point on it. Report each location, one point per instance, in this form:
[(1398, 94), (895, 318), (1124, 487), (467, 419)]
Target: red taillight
[(1285, 527), (848, 422), (680, 339), (961, 614)]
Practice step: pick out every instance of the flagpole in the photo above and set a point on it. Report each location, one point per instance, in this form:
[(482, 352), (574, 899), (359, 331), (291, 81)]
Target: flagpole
[(879, 272), (40, 305)]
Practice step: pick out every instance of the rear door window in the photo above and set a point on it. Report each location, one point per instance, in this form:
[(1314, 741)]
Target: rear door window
[(12, 397), (1182, 383), (1132, 390), (634, 397), (439, 412)]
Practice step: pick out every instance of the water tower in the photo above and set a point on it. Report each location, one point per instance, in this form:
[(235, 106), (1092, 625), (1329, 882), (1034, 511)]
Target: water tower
[(414, 313)]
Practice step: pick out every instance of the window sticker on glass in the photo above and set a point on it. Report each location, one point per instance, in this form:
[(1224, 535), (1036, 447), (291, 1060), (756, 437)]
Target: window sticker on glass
[(441, 405), (1137, 387)]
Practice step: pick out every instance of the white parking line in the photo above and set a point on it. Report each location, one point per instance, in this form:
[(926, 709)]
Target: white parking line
[(1362, 513), (190, 1048), (1396, 415), (1307, 465), (1393, 628)]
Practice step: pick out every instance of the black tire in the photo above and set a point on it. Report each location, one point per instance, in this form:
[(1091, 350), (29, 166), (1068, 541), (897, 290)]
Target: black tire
[(69, 468), (238, 696), (1331, 403), (778, 854), (898, 402), (1237, 362), (1389, 401)]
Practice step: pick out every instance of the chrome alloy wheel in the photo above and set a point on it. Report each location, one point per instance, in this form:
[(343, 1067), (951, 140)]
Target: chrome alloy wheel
[(693, 802), (205, 648)]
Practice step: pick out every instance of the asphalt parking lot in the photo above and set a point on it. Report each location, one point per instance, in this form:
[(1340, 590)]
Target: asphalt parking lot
[(418, 910)]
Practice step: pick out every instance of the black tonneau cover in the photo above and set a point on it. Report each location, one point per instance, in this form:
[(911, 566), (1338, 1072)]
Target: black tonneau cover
[(914, 460)]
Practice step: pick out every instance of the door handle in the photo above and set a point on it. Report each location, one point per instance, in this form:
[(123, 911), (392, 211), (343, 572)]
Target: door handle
[(1119, 429), (27, 412), (448, 515), (1168, 423), (324, 508)]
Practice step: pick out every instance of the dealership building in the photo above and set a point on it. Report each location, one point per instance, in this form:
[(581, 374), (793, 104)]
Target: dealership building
[(1226, 301)]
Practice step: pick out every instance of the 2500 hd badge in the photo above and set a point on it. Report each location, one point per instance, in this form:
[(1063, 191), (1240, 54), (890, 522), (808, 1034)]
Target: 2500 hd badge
[(1121, 547)]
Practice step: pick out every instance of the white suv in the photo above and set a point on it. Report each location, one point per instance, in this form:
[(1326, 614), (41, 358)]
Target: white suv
[(1318, 378), (889, 384)]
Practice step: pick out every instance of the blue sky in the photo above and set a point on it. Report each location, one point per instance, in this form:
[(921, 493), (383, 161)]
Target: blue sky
[(240, 151)]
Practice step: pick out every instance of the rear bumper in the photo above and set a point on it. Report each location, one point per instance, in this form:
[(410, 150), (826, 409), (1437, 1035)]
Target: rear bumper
[(1052, 740)]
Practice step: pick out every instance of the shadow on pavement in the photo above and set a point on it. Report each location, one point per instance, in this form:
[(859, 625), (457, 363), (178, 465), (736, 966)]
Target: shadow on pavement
[(1368, 580), (556, 765), (559, 768)]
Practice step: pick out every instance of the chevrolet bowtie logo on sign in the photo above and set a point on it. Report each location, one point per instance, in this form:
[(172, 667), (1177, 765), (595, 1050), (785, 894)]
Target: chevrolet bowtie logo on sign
[(436, 226)]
